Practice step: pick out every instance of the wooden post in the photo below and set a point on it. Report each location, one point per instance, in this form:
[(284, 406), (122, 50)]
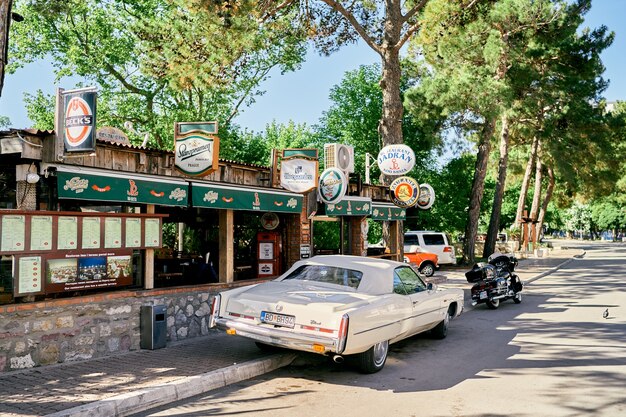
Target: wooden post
[(148, 282), (394, 241), (227, 246)]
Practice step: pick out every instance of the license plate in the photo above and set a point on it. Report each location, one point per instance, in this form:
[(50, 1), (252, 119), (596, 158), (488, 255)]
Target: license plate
[(483, 295), (278, 319)]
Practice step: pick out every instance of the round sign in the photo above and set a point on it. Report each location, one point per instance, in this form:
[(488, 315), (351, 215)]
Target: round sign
[(332, 185), (404, 192), (269, 221), (78, 121), (426, 197), (396, 159)]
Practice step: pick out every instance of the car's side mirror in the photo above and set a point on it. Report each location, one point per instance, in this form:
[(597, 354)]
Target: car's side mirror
[(431, 286)]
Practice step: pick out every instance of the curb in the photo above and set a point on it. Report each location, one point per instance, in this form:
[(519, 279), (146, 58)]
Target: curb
[(150, 397), (556, 268)]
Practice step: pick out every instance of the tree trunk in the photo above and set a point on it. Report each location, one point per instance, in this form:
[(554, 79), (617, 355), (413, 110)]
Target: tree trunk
[(546, 201), (494, 221), (521, 202), (534, 210), (390, 127), (478, 187)]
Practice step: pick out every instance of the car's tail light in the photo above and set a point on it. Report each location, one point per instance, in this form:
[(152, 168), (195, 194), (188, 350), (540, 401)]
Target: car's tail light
[(215, 310), (342, 336), (447, 249)]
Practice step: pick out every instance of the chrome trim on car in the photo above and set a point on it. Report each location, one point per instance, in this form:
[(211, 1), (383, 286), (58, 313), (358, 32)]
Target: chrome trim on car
[(278, 337)]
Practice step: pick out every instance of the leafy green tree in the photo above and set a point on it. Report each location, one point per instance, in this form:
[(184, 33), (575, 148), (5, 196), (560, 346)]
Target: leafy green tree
[(355, 112), (384, 26), (129, 50), (578, 218), (609, 215)]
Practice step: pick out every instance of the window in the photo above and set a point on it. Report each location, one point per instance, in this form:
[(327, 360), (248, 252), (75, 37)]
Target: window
[(398, 285), (407, 276), (411, 240), (327, 274), (434, 239)]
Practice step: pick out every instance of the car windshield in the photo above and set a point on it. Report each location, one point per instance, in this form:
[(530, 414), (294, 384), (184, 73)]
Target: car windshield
[(327, 274)]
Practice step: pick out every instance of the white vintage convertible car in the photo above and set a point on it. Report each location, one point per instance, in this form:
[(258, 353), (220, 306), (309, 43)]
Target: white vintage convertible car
[(338, 305)]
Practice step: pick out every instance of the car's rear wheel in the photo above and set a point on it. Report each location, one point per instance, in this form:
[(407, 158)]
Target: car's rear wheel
[(373, 359), (427, 269), (493, 304), (441, 330)]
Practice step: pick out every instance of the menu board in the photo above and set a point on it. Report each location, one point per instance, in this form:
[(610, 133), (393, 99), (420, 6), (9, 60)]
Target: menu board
[(67, 237), (153, 233), (41, 233), (133, 232), (13, 233), (30, 275), (91, 232), (113, 232)]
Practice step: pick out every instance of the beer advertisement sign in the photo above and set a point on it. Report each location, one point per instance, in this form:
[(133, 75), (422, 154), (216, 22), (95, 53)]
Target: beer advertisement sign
[(196, 149), (79, 121)]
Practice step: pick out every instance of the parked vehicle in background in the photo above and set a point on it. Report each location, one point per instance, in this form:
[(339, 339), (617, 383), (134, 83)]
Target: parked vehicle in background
[(425, 262), (428, 241), (495, 281), (339, 306)]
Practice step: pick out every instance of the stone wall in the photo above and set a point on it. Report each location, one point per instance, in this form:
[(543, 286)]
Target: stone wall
[(79, 328)]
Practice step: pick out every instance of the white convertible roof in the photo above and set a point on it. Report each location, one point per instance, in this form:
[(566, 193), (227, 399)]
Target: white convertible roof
[(377, 273)]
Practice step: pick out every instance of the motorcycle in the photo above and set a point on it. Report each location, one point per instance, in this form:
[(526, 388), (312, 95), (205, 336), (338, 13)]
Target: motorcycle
[(495, 281)]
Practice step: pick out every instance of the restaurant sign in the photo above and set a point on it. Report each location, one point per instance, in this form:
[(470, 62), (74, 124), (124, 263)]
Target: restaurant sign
[(196, 148), (396, 159)]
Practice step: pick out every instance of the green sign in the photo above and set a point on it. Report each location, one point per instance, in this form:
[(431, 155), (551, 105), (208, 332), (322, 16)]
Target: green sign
[(244, 198), (183, 128), (89, 185), (387, 212), (307, 153), (350, 206)]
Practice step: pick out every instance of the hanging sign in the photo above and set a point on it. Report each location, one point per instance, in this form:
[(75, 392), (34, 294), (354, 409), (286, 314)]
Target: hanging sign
[(79, 121), (404, 192), (396, 159), (298, 174), (426, 197), (113, 135), (269, 221), (196, 149), (332, 185)]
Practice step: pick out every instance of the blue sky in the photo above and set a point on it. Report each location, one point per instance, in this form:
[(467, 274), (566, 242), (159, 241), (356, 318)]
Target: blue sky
[(302, 96)]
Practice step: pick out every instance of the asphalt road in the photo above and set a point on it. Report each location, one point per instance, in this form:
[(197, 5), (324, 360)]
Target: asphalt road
[(552, 355)]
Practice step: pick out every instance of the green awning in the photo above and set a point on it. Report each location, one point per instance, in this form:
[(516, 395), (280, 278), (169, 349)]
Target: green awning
[(388, 212), (237, 197), (350, 206), (101, 185)]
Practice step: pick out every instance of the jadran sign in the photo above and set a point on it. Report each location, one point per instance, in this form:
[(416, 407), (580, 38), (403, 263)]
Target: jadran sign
[(196, 149), (396, 159), (79, 122)]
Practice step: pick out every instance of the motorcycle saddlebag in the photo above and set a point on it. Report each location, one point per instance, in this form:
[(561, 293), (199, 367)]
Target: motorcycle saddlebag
[(480, 271)]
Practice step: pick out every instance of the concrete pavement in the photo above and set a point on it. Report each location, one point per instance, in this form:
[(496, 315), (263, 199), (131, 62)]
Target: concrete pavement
[(139, 380)]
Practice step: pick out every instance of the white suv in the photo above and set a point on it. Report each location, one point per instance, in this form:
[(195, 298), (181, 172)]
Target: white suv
[(434, 242)]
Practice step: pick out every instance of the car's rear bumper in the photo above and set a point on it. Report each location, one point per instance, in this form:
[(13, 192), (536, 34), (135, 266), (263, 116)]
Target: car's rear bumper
[(279, 337)]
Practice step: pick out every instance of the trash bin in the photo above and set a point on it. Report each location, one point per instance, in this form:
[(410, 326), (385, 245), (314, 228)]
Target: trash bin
[(153, 327)]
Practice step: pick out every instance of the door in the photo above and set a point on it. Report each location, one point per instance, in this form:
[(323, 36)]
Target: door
[(426, 304)]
